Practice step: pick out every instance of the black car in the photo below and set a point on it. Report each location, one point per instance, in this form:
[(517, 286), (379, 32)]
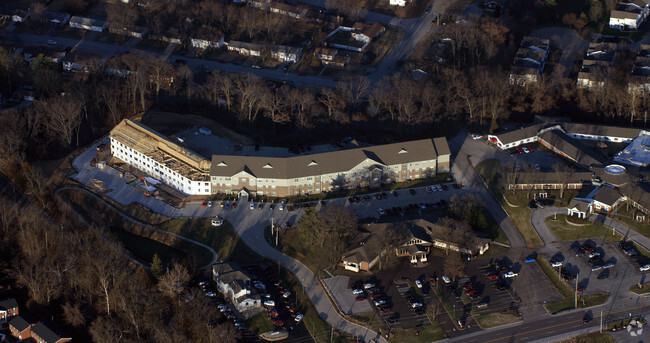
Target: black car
[(603, 275), (412, 191), (587, 318), (395, 194)]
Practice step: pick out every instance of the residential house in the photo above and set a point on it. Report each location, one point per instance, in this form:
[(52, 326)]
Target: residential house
[(417, 245), (296, 12), (440, 51), (399, 2), (47, 333), (325, 54), (115, 66), (629, 14), (54, 17), (135, 32), (26, 93), (20, 328), (639, 80), (235, 285), (8, 309), (285, 53), (83, 61), (31, 54), (206, 37), (13, 14), (172, 36), (364, 253), (596, 65), (529, 61), (365, 33), (338, 61), (86, 23), (246, 49)]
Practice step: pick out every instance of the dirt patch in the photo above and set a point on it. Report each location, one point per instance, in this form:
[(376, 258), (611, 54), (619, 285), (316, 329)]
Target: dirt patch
[(170, 123)]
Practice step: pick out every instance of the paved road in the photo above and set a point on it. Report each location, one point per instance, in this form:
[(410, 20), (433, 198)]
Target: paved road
[(464, 148)]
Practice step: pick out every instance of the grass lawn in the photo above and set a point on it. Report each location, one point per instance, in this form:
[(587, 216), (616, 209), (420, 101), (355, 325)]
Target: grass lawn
[(223, 239), (624, 216), (486, 321), (429, 333), (645, 288), (490, 171), (370, 320), (567, 232), (495, 250), (260, 323), (567, 293)]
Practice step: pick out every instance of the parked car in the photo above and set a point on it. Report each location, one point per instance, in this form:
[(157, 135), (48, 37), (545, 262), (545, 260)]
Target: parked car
[(644, 268), (286, 294), (594, 254), (379, 302), (269, 302), (596, 267), (530, 259), (445, 278), (278, 322), (209, 203), (368, 286), (210, 294), (412, 191), (381, 212), (416, 305), (510, 274), (298, 318), (251, 206), (492, 277), (360, 297), (205, 204), (556, 264), (418, 283), (357, 291)]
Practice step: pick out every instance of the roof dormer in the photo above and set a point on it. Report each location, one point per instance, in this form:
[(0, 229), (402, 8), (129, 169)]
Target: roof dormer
[(312, 163), (222, 164)]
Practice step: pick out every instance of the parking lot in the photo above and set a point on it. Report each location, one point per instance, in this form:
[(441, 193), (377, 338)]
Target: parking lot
[(577, 264), (536, 156)]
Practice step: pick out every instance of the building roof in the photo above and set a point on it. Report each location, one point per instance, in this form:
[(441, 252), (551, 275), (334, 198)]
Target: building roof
[(247, 46), (54, 15), (625, 14), (8, 303), (601, 130), (552, 177), (155, 145), (603, 51), (287, 50), (369, 30), (578, 205), (230, 273), (325, 51), (88, 21), (325, 163), (572, 148), (607, 196), (519, 134), (48, 333), (19, 323)]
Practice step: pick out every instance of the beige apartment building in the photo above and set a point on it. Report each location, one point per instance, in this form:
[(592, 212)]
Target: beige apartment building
[(323, 172)]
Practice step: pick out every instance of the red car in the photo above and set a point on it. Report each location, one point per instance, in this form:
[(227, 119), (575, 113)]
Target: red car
[(205, 204), (589, 249), (581, 289), (471, 291), (234, 205), (492, 276), (519, 150), (375, 296), (278, 322), (273, 314), (467, 286), (531, 149), (384, 308), (360, 298)]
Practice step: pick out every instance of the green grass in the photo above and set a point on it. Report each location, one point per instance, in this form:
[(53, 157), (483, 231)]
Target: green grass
[(566, 232), (490, 320), (495, 250), (645, 288), (566, 292), (260, 323), (369, 320), (143, 249), (223, 239), (444, 301), (429, 333), (624, 216)]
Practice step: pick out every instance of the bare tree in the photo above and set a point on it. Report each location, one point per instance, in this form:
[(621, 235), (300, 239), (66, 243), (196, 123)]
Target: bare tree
[(173, 282), (333, 102), (354, 89), (251, 95), (454, 266), (63, 116)]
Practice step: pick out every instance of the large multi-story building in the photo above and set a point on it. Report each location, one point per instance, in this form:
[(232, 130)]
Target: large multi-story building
[(192, 174), (316, 173), (152, 153)]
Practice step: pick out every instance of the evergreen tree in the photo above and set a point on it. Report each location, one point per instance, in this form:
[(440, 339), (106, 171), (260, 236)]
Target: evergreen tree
[(156, 267)]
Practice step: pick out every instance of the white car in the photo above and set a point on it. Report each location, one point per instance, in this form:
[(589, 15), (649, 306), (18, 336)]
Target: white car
[(418, 283), (556, 264), (251, 206), (596, 267), (51, 42), (476, 136), (298, 318), (210, 294), (416, 305), (286, 294), (357, 291), (269, 302), (525, 149), (439, 188), (368, 286), (381, 212), (594, 254), (209, 203), (281, 207), (217, 221), (644, 268), (380, 302), (445, 278), (510, 274)]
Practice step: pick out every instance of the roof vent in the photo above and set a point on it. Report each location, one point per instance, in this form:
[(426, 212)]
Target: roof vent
[(312, 163), (268, 165), (222, 164), (403, 151)]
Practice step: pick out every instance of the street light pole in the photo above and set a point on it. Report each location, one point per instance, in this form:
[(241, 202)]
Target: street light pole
[(576, 294)]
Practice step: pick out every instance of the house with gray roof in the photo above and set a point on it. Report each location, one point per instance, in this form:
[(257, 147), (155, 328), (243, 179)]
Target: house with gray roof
[(600, 198), (529, 61), (86, 23), (560, 143), (8, 309), (596, 65), (235, 285), (20, 328), (47, 333), (629, 14)]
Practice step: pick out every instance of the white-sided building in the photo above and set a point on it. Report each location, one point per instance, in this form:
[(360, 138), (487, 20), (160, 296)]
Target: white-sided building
[(529, 61), (235, 285), (166, 161), (399, 2), (629, 14), (89, 24), (285, 53)]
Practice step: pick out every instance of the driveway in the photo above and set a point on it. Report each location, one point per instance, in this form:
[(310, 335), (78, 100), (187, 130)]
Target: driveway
[(567, 40)]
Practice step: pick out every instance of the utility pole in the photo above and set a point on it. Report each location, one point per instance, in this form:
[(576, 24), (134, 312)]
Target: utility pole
[(271, 227), (601, 321), (576, 294), (332, 335)]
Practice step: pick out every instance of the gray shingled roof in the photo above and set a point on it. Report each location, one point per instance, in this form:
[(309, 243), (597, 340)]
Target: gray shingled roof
[(8, 303), (607, 196), (519, 134), (47, 333), (579, 205), (19, 323), (571, 147), (326, 163), (601, 130)]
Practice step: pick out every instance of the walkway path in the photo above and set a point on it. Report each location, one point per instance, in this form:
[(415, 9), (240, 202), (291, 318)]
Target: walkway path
[(135, 221)]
